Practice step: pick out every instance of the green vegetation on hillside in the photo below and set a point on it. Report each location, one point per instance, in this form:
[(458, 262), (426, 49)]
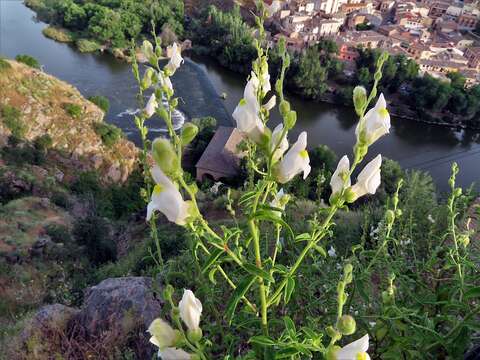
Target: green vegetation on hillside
[(101, 101), (58, 34), (109, 133), (28, 60), (12, 119), (110, 23)]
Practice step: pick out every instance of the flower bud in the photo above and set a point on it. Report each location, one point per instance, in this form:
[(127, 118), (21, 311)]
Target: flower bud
[(457, 192), (390, 216), (398, 212), (284, 108), (349, 195), (174, 103), (189, 131), (331, 352), (346, 325), (388, 298), (194, 335), (330, 330), (291, 120), (359, 99), (347, 273), (464, 240), (165, 156), (168, 292)]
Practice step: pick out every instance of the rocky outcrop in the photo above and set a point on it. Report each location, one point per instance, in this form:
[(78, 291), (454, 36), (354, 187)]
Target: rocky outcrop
[(50, 106), (115, 314), (117, 302)]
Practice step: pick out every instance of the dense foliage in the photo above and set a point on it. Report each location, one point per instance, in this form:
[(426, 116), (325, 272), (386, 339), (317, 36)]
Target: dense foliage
[(111, 23), (28, 60)]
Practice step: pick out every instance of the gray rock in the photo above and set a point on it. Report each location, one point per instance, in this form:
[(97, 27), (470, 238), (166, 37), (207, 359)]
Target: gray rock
[(49, 319), (115, 302)]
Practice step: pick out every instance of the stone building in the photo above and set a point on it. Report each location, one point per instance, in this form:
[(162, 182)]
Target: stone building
[(221, 159)]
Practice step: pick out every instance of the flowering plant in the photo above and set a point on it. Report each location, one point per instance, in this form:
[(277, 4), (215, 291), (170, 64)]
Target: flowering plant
[(265, 284)]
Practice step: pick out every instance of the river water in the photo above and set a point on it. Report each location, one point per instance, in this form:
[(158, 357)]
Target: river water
[(200, 80)]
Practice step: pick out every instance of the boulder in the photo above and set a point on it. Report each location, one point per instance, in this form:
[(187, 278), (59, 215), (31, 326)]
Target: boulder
[(123, 308), (44, 332)]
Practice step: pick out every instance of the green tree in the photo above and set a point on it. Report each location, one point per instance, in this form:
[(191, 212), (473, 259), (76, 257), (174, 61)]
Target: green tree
[(311, 75)]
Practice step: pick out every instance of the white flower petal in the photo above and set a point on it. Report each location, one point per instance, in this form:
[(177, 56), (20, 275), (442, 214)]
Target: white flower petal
[(295, 161), (190, 310), (173, 354), (336, 182), (375, 123), (151, 106), (350, 351), (176, 58), (369, 178)]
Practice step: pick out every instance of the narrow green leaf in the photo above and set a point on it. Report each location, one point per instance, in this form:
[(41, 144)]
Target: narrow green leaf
[(239, 292), (472, 293), (252, 269), (289, 287), (211, 275), (266, 215), (212, 259), (321, 250), (290, 326), (303, 237), (262, 340)]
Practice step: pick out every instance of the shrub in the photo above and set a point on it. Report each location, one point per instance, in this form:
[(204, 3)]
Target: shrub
[(85, 45), (4, 65), (58, 34), (101, 101), (93, 233), (43, 142), (58, 233), (12, 120), (87, 182), (109, 133), (28, 60), (74, 110), (60, 198)]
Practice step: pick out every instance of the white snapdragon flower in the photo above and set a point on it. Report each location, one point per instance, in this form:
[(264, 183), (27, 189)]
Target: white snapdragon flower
[(338, 181), (282, 147), (173, 354), (375, 123), (167, 199), (151, 106), (356, 350), (190, 310), (280, 201), (162, 333), (295, 161), (246, 114), (369, 178), (270, 103), (147, 50), (175, 59), (165, 81)]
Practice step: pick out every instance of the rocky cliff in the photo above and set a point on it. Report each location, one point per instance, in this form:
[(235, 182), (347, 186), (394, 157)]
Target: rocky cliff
[(46, 105)]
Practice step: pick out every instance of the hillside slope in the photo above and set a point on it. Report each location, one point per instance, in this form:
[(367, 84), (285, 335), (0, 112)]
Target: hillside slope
[(46, 105)]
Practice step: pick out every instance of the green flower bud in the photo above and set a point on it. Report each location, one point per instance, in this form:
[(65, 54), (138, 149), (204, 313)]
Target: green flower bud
[(388, 297), (390, 216), (347, 273), (284, 108), (291, 120), (165, 156), (168, 292), (464, 240), (194, 335), (457, 192), (189, 131), (158, 51), (162, 112), (175, 313), (349, 195), (398, 212), (346, 325), (334, 334), (287, 60), (174, 103), (359, 99), (331, 352)]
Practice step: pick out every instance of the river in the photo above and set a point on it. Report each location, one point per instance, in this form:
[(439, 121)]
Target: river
[(200, 80)]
